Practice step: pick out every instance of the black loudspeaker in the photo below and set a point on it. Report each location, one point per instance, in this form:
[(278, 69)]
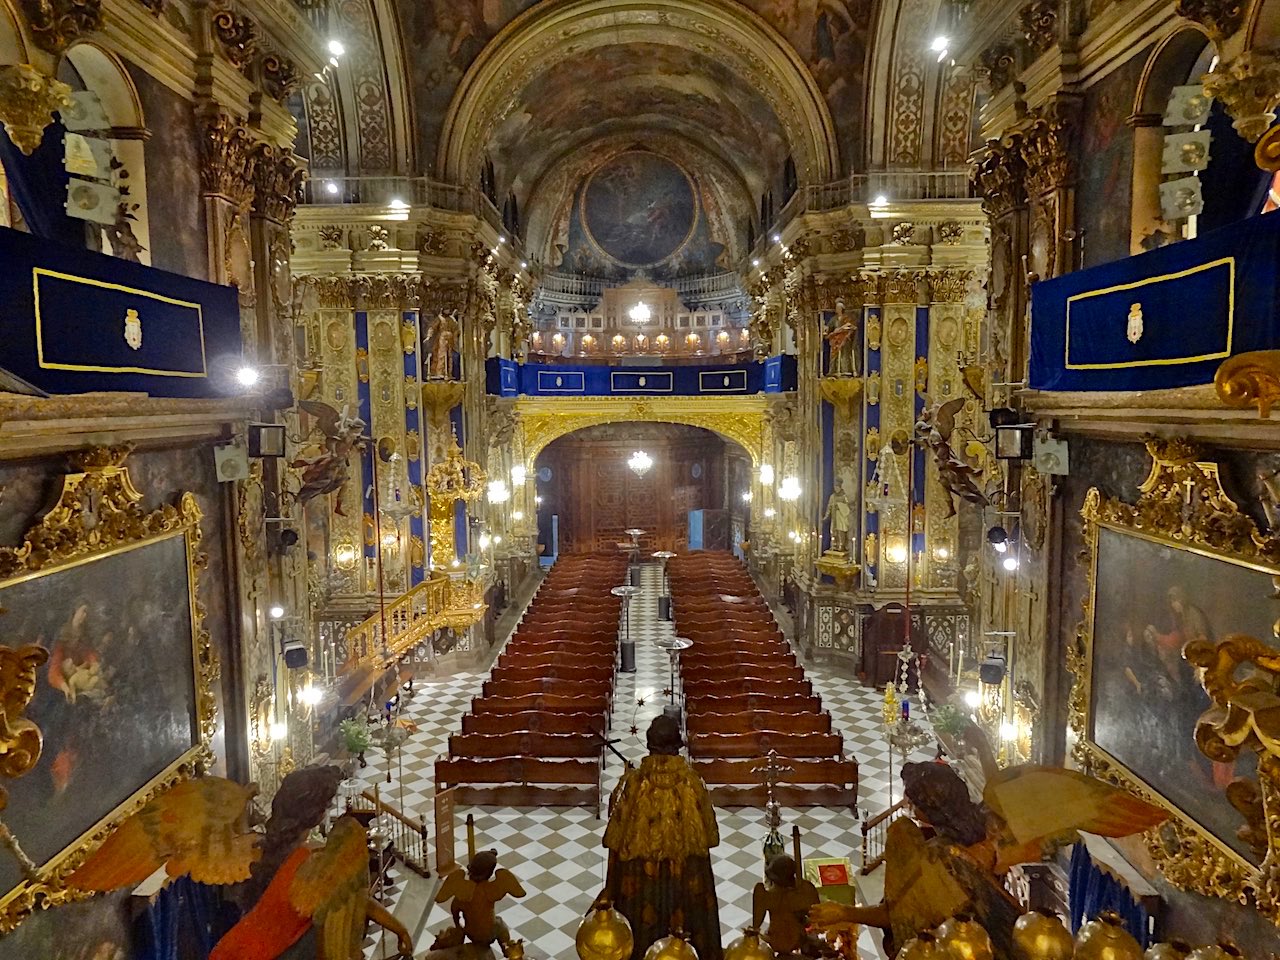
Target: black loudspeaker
[(295, 654), (664, 608), (991, 670), (628, 657)]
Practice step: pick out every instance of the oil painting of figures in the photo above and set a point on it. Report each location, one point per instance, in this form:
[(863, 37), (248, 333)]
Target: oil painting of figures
[(1151, 601), (116, 698), (639, 208)]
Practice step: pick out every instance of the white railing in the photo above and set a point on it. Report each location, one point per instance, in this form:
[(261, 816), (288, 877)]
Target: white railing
[(389, 191), (554, 286)]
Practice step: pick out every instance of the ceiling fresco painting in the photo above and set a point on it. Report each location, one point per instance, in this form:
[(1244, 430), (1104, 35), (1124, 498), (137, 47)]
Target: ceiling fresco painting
[(639, 209)]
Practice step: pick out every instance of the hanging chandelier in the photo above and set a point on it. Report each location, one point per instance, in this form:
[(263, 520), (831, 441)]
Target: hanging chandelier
[(640, 463), (640, 313)]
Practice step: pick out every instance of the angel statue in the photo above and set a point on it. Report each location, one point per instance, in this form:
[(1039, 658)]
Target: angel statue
[(955, 858), (475, 895), (439, 344), (935, 428), (312, 895), (841, 344), (328, 471)]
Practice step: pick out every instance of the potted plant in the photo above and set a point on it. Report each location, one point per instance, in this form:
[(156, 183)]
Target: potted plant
[(356, 738)]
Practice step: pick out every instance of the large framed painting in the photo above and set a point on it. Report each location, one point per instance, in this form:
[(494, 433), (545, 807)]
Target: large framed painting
[(1170, 579), (122, 695)]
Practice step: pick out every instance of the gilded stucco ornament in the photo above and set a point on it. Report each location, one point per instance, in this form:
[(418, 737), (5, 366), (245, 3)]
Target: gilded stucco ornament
[(1220, 18), (277, 181), (1250, 380), (238, 36), (28, 100), (1038, 21), (1249, 88), (998, 175), (56, 24), (226, 159), (1183, 505)]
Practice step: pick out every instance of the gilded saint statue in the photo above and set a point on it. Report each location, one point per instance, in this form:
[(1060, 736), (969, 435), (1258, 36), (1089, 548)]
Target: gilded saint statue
[(660, 834), (785, 900), (439, 344), (840, 513), (841, 342)]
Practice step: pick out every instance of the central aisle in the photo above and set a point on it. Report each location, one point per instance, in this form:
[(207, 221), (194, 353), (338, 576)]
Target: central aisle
[(556, 852)]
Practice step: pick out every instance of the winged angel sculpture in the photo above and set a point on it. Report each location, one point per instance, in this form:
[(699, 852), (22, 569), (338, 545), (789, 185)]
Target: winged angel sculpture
[(955, 860), (328, 471), (935, 429), (199, 828)]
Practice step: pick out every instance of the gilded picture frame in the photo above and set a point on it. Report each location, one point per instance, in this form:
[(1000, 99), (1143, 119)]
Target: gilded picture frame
[(97, 531), (1182, 523)]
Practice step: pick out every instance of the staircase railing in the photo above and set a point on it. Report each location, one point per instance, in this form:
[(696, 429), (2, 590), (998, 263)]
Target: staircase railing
[(407, 835), (874, 831), (412, 618)]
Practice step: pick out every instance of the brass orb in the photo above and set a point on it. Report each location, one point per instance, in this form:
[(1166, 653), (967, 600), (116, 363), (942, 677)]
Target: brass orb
[(674, 947), (1217, 951), (1106, 939), (604, 934), (1172, 950), (962, 938), (1042, 936), (922, 947), (749, 946)]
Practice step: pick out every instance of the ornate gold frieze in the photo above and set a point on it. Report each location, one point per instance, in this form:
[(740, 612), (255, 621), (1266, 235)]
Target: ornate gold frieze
[(237, 34), (1250, 380), (1182, 505), (56, 24), (1220, 18), (1249, 88), (226, 159), (277, 180), (902, 286), (28, 100), (949, 286)]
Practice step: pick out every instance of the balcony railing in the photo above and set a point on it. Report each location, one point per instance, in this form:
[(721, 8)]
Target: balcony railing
[(696, 288), (394, 191), (430, 606)]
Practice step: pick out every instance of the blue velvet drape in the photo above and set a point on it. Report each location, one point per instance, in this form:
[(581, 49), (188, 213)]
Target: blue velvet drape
[(183, 922), (38, 184), (1093, 891)]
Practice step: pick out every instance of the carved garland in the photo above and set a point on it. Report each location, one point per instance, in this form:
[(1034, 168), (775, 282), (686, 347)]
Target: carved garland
[(99, 511), (1182, 504)]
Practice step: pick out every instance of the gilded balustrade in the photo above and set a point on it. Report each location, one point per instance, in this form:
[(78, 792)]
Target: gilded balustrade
[(435, 604)]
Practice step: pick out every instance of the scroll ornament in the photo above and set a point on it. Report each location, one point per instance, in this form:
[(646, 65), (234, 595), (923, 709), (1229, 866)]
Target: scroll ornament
[(28, 100)]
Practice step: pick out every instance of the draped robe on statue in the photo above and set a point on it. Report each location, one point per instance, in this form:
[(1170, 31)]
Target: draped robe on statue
[(660, 834)]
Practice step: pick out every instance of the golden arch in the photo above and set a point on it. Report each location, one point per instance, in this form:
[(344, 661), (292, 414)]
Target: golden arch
[(542, 420), (542, 36)]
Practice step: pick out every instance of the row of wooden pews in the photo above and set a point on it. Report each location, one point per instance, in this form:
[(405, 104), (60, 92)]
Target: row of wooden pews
[(535, 735), (745, 694)]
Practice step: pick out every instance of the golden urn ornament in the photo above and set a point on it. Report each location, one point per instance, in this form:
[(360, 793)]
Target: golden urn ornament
[(1106, 939), (604, 934), (923, 947), (674, 947), (749, 946), (1040, 935), (962, 938), (1216, 951), (1169, 950)]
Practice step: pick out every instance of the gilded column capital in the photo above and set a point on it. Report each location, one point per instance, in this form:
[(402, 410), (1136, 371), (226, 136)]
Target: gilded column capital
[(227, 159), (1249, 88), (28, 100), (277, 180), (1221, 18), (1049, 145), (56, 24), (902, 286), (237, 34), (1038, 21), (996, 66), (280, 76), (828, 291), (949, 286), (330, 291), (999, 174)]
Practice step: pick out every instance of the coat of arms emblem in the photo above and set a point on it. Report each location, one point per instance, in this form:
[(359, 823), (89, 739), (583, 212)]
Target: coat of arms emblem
[(132, 329), (1134, 331)]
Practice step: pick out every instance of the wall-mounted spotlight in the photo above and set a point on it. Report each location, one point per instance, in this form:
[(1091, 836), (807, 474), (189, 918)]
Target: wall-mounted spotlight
[(998, 537), (1014, 439)]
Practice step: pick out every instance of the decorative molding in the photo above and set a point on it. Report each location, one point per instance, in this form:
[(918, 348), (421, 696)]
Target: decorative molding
[(949, 286), (1038, 21), (1249, 88), (277, 181), (1221, 18), (237, 34), (998, 175), (1049, 145), (951, 232), (1250, 380), (227, 159), (28, 100), (280, 76), (56, 24), (902, 286), (996, 66)]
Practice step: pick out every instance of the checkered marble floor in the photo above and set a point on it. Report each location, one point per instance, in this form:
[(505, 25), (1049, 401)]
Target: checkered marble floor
[(556, 852)]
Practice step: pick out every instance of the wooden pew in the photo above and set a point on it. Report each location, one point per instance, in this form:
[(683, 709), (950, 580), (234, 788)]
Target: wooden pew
[(741, 702), (521, 782), (814, 746), (764, 670), (557, 671), (563, 688), (550, 703), (550, 746), (752, 721), (542, 661), (535, 722), (749, 685), (808, 783), (696, 657)]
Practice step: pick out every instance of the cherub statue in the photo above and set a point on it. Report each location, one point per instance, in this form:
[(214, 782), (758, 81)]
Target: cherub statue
[(200, 828), (785, 899), (439, 343), (842, 360), (475, 895), (935, 428), (329, 470)]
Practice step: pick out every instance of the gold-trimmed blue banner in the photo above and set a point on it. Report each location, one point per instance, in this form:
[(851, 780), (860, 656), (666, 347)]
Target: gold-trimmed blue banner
[(1162, 319)]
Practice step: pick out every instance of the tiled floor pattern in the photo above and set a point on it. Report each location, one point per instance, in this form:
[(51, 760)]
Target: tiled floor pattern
[(556, 852)]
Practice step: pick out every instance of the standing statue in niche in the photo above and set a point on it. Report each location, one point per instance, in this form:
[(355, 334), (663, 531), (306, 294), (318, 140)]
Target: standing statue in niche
[(840, 513), (439, 344), (841, 342)]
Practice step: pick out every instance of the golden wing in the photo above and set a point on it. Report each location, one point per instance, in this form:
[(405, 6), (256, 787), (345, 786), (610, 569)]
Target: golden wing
[(919, 890), (975, 378), (506, 884), (1046, 806), (196, 827), (945, 416), (455, 885), (327, 417), (20, 739), (332, 888)]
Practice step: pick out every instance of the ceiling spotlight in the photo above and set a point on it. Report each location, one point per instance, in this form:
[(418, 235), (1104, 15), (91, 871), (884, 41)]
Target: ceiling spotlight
[(336, 48), (755, 263), (524, 264), (276, 612), (248, 376), (939, 44), (538, 501), (333, 61), (1010, 563), (777, 238), (331, 188), (998, 537), (502, 240)]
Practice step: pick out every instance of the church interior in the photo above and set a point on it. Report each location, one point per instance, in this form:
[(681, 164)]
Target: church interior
[(666, 480)]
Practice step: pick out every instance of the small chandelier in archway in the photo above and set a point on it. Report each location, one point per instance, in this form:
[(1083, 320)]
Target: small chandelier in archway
[(640, 313), (640, 463)]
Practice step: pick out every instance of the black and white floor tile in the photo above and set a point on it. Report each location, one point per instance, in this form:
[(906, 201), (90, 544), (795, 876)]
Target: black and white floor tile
[(557, 852)]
